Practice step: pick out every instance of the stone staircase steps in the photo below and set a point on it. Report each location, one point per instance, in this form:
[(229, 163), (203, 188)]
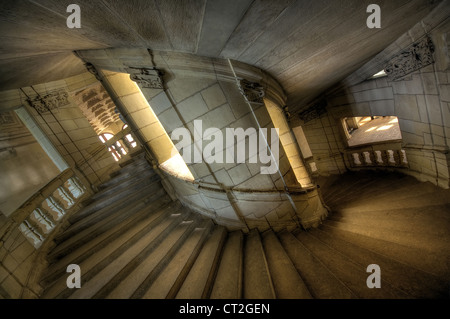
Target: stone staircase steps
[(425, 261), (118, 198), (351, 273), (403, 277), (173, 273), (287, 282), (125, 232), (129, 169), (420, 220), (321, 281), (167, 253), (198, 283), (85, 232), (408, 238), (141, 244), (257, 281), (119, 249), (228, 282), (113, 272)]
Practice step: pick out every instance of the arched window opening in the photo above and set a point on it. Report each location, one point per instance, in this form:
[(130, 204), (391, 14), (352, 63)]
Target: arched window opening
[(129, 137), (116, 149)]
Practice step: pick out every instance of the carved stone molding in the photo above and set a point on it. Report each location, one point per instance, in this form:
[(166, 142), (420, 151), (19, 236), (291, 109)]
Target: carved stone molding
[(50, 102), (252, 91), (147, 78), (314, 111), (415, 57)]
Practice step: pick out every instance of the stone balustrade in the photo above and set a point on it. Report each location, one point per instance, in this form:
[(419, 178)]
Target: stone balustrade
[(41, 213), (367, 158)]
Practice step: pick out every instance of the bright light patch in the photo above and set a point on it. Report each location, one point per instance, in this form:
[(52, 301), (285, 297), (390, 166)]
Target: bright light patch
[(393, 120), (384, 127), (370, 129), (379, 74), (177, 166)]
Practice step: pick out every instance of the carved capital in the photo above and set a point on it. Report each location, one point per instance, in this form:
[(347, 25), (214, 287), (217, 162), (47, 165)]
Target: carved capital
[(49, 102), (415, 57), (147, 78), (252, 91)]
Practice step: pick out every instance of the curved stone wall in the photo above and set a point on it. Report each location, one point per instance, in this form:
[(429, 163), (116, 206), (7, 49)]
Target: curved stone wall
[(206, 98)]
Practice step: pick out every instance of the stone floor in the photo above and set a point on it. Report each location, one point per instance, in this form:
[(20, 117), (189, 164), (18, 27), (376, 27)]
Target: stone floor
[(377, 130)]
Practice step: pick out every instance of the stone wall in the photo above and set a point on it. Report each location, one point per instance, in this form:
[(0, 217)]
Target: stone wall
[(419, 99), (17, 259), (66, 126), (180, 89)]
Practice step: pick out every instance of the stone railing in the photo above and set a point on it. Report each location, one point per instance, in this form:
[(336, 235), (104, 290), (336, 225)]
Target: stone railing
[(42, 213), (378, 156), (121, 145), (237, 208)]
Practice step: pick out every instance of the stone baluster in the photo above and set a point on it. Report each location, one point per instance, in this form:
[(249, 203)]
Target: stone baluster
[(31, 231), (75, 187), (403, 159), (56, 206), (356, 159), (396, 158), (65, 195), (385, 156), (367, 159), (378, 158), (44, 218)]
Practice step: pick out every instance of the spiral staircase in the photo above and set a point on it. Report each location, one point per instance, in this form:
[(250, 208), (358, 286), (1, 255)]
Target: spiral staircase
[(132, 241)]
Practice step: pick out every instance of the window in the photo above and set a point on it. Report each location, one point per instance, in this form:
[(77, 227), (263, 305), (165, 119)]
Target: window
[(116, 149), (371, 129), (129, 137)]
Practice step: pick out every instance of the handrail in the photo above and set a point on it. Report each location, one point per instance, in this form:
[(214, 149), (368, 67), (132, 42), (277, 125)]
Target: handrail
[(223, 189)]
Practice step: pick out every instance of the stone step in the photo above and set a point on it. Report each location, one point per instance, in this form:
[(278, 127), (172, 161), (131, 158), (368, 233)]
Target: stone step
[(85, 233), (144, 196), (131, 278), (130, 184), (257, 282), (131, 169), (356, 189), (120, 199), (118, 251), (406, 200), (342, 185), (368, 190), (431, 263), (413, 282), (321, 282), (425, 241), (198, 283), (119, 234), (352, 274), (395, 193), (103, 282), (228, 282), (286, 280), (174, 272), (428, 219)]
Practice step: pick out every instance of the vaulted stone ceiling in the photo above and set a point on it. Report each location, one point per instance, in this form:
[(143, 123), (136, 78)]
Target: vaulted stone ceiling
[(306, 45)]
